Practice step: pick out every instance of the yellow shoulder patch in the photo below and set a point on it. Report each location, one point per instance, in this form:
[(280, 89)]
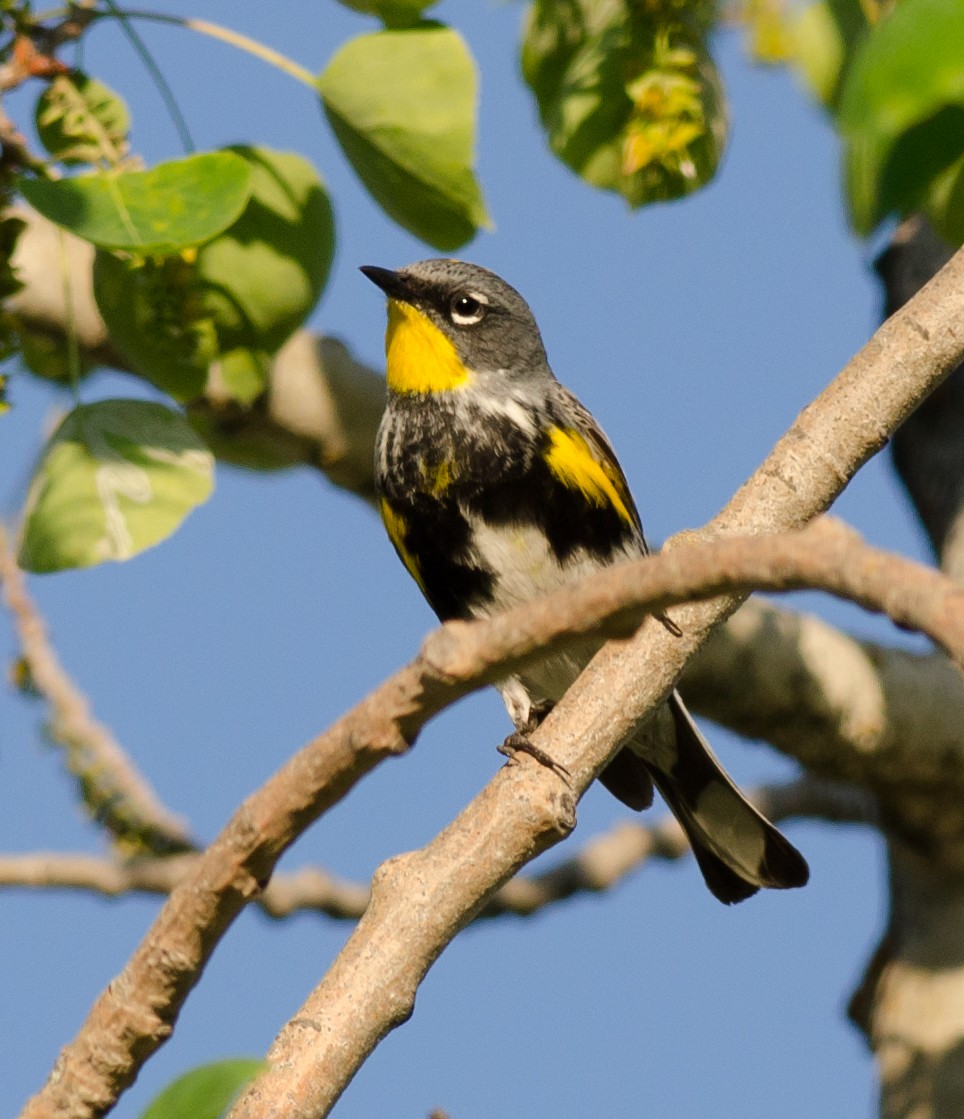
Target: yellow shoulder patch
[(420, 358), (396, 526), (573, 463)]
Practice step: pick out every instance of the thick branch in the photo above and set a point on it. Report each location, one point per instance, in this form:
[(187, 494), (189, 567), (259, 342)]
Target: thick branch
[(928, 451), (849, 710), (317, 1053)]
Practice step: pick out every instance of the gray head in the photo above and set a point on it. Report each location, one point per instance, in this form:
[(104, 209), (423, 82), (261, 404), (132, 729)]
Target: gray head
[(486, 319)]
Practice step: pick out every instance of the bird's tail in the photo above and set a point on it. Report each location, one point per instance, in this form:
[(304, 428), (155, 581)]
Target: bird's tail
[(737, 848)]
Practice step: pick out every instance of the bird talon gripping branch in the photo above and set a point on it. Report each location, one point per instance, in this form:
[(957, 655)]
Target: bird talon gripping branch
[(519, 743)]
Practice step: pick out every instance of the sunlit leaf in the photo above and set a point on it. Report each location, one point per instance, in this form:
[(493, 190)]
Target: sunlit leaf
[(81, 120), (402, 104), (174, 206), (205, 1092), (115, 478)]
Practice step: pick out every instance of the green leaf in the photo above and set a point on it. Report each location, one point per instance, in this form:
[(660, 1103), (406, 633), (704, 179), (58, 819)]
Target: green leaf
[(902, 111), (628, 95), (115, 478), (946, 207), (265, 274), (206, 1092), (402, 105), (154, 313), (81, 120), (229, 309), (393, 13), (825, 36), (910, 65), (175, 206)]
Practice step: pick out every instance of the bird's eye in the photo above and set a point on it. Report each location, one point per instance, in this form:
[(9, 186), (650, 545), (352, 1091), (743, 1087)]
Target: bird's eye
[(467, 309)]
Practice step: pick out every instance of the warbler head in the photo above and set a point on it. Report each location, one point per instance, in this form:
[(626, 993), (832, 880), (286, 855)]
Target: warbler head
[(449, 322)]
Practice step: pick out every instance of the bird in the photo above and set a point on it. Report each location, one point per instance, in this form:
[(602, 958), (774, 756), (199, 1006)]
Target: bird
[(496, 485)]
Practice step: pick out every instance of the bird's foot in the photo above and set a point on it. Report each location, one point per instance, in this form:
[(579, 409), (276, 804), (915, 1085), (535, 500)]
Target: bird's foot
[(519, 741)]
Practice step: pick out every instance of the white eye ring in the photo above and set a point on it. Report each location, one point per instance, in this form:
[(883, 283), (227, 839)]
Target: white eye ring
[(467, 308)]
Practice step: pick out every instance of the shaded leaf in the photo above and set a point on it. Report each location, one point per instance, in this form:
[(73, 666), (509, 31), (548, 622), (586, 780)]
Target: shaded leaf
[(174, 206), (394, 13), (81, 120), (115, 478), (155, 316), (230, 307), (402, 105), (825, 37), (204, 1093), (946, 208), (263, 276), (628, 94), (901, 112)]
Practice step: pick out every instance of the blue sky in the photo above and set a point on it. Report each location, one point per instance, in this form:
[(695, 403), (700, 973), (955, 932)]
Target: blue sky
[(695, 331)]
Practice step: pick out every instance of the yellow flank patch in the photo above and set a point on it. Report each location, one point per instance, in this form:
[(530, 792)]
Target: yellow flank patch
[(573, 463), (438, 478), (396, 526), (420, 357)]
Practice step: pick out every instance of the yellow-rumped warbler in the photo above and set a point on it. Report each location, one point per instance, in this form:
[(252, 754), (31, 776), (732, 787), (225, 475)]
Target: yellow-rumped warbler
[(496, 486)]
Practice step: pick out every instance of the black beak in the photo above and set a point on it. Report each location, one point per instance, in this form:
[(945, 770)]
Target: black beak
[(392, 283)]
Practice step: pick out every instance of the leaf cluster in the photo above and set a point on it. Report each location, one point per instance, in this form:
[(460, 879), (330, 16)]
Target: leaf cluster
[(892, 77)]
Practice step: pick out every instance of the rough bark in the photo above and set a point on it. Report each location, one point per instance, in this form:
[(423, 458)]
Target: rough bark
[(910, 1004)]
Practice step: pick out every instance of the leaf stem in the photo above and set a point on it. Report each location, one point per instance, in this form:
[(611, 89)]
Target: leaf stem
[(73, 345), (225, 35), (163, 87)]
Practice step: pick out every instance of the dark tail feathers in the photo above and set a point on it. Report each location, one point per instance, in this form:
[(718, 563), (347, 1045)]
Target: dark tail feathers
[(737, 848)]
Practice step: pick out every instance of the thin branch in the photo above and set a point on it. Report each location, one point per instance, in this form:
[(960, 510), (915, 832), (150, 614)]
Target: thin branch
[(118, 796), (157, 74), (600, 865), (226, 35), (311, 888)]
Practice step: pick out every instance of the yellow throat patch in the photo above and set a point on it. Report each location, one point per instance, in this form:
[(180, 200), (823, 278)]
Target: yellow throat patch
[(420, 358)]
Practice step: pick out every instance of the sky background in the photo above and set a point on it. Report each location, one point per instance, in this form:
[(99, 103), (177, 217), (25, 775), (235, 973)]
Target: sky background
[(695, 331)]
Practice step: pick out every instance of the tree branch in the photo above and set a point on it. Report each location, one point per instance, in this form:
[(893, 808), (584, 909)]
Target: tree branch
[(601, 864), (853, 711), (927, 450), (909, 355), (116, 795), (317, 1053)]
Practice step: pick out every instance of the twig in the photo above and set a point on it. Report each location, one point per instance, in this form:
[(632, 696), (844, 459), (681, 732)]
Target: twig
[(601, 864), (117, 795)]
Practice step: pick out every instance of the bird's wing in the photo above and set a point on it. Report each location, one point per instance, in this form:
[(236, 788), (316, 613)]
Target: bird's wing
[(572, 412)]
